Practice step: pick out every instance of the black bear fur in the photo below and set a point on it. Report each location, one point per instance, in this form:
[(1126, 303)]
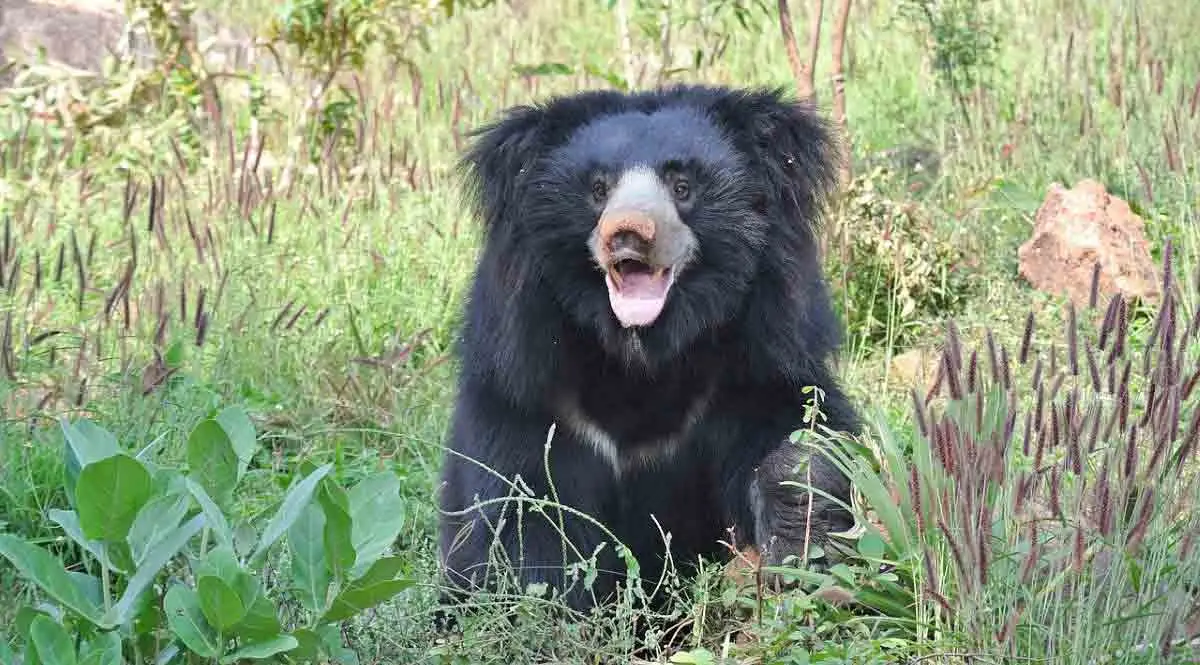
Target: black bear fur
[(719, 375)]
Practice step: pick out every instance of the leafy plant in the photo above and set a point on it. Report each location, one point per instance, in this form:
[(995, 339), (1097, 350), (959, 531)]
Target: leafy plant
[(963, 39), (333, 38), (173, 578), (892, 265)]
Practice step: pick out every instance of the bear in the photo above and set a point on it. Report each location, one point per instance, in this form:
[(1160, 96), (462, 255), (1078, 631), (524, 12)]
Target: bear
[(646, 312)]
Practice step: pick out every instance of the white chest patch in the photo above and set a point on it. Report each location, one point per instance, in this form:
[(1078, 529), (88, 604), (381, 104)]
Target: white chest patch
[(621, 462)]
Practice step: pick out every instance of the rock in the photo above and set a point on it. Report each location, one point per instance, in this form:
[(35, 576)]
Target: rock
[(81, 33), (1076, 228), (916, 367), (75, 34)]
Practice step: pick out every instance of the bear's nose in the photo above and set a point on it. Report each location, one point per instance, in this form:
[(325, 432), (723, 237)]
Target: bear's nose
[(626, 232), (628, 242)]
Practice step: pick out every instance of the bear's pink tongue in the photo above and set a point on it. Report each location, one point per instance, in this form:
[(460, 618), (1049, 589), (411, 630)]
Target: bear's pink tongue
[(640, 297)]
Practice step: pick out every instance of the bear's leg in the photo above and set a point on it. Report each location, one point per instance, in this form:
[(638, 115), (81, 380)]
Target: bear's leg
[(488, 528), (529, 544)]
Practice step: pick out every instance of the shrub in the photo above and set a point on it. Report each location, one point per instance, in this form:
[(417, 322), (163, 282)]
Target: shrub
[(891, 266)]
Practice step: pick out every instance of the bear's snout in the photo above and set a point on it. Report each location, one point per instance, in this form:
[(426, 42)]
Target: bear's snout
[(626, 235)]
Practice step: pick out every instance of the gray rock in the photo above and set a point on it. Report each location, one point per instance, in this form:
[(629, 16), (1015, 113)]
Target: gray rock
[(81, 33)]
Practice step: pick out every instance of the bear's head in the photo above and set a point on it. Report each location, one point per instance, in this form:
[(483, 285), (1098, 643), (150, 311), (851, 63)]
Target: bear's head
[(655, 219)]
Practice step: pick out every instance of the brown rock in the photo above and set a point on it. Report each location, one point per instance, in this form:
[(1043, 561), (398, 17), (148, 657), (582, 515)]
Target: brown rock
[(916, 367), (1079, 227)]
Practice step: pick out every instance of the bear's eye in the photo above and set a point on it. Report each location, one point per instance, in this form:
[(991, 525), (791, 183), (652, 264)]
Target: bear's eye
[(599, 190), (682, 190)]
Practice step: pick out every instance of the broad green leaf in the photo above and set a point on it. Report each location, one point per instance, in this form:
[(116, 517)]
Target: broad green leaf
[(377, 515), (886, 603), (87, 442), (310, 574), (245, 537), (25, 616), (68, 520), (212, 514), (7, 657), (308, 647), (120, 557), (871, 546), (168, 655), (167, 480), (331, 642), (187, 622), (377, 585), (220, 562), (699, 656), (262, 618), (90, 586), (53, 644), (240, 429), (337, 537), (220, 602), (44, 569), (103, 649), (212, 461), (260, 650), (84, 443), (259, 619), (110, 493), (289, 511), (154, 521), (155, 559)]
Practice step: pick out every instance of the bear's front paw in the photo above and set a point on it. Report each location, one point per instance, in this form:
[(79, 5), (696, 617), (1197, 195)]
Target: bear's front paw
[(785, 523)]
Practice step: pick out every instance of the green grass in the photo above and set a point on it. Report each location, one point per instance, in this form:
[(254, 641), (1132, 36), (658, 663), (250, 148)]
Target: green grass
[(382, 264)]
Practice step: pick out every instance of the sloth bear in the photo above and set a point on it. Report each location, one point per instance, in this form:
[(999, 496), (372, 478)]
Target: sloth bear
[(649, 285)]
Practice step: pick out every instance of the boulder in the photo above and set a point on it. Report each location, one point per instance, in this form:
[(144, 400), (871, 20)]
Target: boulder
[(76, 34), (917, 368), (1079, 227), (79, 34)]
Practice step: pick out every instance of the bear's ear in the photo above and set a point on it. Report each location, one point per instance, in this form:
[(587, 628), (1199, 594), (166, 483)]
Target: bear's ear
[(791, 146), (499, 159)]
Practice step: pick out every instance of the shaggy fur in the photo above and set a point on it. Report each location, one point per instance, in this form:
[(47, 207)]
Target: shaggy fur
[(684, 422)]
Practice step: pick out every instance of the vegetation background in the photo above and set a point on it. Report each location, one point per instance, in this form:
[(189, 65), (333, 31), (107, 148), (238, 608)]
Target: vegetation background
[(229, 288)]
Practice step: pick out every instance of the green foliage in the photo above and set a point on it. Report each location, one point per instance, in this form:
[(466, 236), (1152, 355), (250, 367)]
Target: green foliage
[(963, 38), (169, 581), (332, 35), (893, 268), (331, 38)]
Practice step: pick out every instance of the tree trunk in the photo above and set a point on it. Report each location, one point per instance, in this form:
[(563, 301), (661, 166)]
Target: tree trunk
[(839, 85), (814, 44), (801, 71)]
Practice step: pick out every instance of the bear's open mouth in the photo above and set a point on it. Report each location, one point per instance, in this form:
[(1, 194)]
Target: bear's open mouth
[(637, 291)]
